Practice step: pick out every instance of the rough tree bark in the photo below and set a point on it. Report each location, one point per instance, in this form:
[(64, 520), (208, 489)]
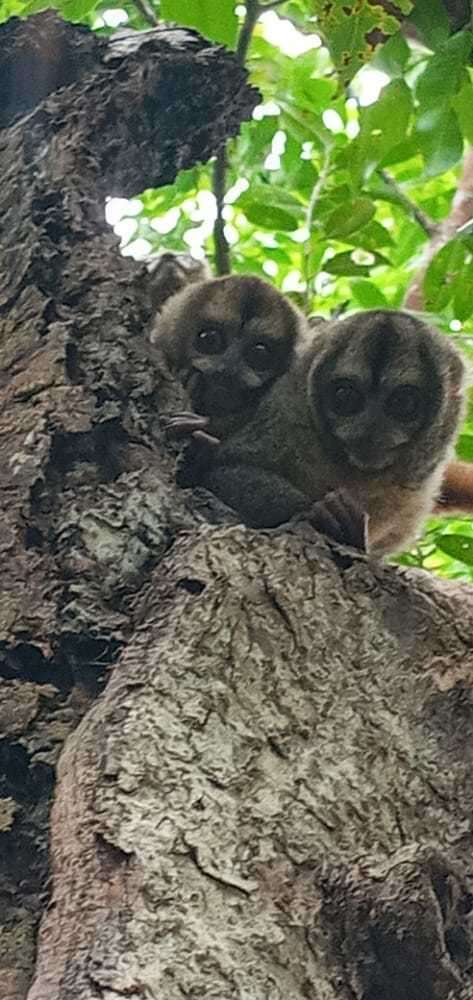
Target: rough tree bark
[(273, 795)]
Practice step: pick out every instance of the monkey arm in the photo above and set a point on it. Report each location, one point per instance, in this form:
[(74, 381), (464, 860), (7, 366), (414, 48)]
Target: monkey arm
[(457, 489), (263, 499), (266, 500)]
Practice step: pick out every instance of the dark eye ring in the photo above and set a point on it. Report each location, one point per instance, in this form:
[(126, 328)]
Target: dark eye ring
[(404, 403), (210, 342), (345, 398), (258, 356)]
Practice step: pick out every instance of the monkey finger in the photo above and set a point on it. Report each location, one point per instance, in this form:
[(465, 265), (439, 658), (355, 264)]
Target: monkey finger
[(183, 424), (205, 438), (350, 516), (185, 414), (324, 521), (339, 517)]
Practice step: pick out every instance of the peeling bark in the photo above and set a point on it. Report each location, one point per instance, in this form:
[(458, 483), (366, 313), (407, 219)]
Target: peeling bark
[(272, 797)]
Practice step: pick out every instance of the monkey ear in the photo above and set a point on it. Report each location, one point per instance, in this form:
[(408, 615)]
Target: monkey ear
[(315, 322), (168, 272)]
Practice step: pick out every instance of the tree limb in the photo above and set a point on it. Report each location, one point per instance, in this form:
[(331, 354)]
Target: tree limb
[(314, 198), (222, 249), (423, 220), (461, 212)]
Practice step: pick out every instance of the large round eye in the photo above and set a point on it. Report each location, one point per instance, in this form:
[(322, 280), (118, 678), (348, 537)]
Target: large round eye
[(345, 398), (210, 342), (258, 356), (405, 403)]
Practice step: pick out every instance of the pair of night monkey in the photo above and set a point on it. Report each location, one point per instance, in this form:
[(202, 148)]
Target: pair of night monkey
[(350, 425)]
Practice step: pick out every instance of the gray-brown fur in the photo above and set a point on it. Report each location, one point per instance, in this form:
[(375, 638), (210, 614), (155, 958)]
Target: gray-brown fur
[(169, 272), (299, 446), (228, 340)]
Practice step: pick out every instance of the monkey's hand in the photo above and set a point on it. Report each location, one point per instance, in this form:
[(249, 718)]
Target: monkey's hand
[(341, 519), (196, 461), (188, 425)]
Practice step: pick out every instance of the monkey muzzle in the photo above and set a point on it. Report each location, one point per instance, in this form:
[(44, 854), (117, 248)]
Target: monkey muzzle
[(216, 394), (368, 454)]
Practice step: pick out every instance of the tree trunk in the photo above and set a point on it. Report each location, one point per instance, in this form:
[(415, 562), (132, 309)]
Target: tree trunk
[(273, 796)]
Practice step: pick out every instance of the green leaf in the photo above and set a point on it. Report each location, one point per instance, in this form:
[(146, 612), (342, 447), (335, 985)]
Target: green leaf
[(8, 8), (373, 236), (72, 10), (216, 21), (402, 152), (444, 71), (383, 125), (392, 57), (458, 547), (343, 263), (368, 295), (462, 104), (349, 36), (269, 216), (463, 293), (440, 140), (302, 124), (464, 447), (441, 274), (431, 20), (349, 217), (315, 95), (271, 201)]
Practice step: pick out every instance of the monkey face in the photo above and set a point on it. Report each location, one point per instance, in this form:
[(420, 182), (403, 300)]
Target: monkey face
[(382, 386), (230, 367), (228, 339)]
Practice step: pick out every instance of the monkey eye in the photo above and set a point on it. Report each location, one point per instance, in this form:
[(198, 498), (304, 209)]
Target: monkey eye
[(258, 356), (404, 403), (345, 399), (210, 342)]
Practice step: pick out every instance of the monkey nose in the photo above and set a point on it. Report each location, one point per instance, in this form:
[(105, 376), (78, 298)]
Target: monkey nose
[(366, 452), (368, 458)]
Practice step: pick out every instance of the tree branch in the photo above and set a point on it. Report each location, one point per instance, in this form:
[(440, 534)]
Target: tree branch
[(147, 12), (253, 11), (314, 199), (222, 249), (423, 220), (460, 213)]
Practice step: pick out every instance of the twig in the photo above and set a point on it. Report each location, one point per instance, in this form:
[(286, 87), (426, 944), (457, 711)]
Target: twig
[(222, 249), (412, 209), (147, 12), (314, 198), (253, 11)]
